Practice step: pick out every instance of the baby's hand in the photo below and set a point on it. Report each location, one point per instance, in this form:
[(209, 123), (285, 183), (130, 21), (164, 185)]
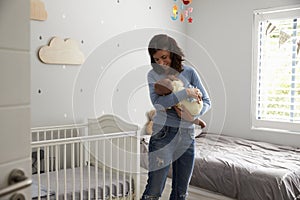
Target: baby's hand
[(183, 113)]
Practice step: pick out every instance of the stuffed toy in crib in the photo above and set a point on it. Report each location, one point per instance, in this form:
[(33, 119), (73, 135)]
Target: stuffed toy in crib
[(172, 84)]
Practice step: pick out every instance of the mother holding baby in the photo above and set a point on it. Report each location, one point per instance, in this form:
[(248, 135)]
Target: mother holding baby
[(172, 141)]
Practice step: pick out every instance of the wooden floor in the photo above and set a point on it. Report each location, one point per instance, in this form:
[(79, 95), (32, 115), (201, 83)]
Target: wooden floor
[(194, 192)]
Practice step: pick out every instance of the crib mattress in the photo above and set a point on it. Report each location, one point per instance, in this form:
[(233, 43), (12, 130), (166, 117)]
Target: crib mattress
[(110, 186)]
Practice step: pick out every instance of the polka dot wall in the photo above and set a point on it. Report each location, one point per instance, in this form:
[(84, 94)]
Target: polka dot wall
[(112, 36)]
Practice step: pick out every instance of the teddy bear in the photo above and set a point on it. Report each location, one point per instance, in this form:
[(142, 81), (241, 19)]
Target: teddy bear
[(149, 123)]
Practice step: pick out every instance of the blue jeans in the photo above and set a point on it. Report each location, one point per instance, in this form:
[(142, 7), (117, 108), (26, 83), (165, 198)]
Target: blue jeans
[(170, 145)]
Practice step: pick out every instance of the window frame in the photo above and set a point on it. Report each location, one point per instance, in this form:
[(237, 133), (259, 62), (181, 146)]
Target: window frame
[(292, 11)]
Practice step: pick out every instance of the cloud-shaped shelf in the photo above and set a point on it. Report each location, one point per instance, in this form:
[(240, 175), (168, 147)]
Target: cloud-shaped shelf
[(61, 51)]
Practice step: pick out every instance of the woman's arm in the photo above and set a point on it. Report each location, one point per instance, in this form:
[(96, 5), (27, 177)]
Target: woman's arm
[(196, 82), (163, 102)]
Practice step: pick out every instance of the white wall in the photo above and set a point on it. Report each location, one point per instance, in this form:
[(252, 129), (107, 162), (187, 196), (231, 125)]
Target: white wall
[(114, 36), (224, 30)]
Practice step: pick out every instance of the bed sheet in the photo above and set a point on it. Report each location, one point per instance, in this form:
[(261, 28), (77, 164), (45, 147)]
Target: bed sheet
[(69, 184), (245, 169)]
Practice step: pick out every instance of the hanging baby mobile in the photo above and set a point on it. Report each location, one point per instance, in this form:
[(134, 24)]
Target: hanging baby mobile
[(182, 11)]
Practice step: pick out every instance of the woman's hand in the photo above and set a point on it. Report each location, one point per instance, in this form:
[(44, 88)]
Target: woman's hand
[(183, 113)]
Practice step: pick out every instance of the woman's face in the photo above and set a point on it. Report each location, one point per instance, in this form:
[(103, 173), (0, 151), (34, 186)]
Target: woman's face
[(162, 57)]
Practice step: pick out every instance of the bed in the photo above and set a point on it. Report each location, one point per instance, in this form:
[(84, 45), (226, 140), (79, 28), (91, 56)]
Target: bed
[(234, 168), (96, 160)]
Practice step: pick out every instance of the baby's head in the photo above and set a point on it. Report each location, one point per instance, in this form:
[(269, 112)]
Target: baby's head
[(163, 86)]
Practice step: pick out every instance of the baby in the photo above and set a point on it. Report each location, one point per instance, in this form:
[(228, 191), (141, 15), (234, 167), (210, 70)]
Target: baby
[(171, 84)]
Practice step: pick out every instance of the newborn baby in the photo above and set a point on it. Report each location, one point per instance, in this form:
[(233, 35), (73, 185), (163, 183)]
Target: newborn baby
[(168, 85)]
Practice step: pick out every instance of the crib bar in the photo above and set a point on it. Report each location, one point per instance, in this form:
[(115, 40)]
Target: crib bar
[(65, 170), (138, 162), (96, 167), (110, 169), (118, 167), (73, 170), (89, 171), (45, 161), (56, 167), (58, 151), (103, 169), (38, 170), (130, 165), (67, 150), (52, 157), (47, 171), (81, 171), (124, 164)]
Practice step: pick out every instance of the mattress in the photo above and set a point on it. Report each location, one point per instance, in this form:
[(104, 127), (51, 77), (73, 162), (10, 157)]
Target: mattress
[(244, 169), (109, 188)]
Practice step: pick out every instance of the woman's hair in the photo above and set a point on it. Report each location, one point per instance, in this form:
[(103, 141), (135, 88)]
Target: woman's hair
[(165, 42)]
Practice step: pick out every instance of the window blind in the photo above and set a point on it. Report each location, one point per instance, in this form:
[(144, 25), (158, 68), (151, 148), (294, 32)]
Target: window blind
[(277, 69)]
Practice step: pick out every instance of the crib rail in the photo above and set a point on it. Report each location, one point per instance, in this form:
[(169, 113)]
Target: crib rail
[(57, 132), (73, 165)]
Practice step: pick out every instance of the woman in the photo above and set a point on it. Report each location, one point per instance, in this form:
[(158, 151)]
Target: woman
[(172, 141)]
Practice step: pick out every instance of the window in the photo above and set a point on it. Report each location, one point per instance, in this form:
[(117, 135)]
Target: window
[(276, 69)]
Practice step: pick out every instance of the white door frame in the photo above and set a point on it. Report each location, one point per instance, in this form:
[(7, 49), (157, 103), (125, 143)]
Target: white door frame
[(15, 97)]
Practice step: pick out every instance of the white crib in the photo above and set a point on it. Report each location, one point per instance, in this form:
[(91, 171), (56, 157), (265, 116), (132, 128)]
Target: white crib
[(97, 160)]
